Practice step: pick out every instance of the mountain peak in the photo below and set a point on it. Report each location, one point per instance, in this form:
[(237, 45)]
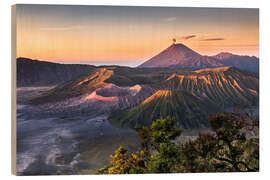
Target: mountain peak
[(181, 47), (178, 55), (179, 44), (158, 94), (99, 76), (173, 55), (223, 55), (227, 55)]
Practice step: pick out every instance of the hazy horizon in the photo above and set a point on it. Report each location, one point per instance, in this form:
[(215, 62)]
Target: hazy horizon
[(133, 63), (129, 35)]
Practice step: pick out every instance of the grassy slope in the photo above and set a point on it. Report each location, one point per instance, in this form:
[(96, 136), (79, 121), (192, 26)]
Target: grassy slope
[(222, 86), (217, 88), (188, 110)]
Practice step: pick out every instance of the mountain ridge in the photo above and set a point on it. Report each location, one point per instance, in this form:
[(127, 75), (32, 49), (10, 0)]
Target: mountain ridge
[(143, 93), (224, 85), (191, 97), (189, 111), (181, 56), (43, 73)]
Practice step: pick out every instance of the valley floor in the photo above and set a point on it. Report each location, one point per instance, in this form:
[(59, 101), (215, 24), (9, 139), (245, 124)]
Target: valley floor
[(64, 144)]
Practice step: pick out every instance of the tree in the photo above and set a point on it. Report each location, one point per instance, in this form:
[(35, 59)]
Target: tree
[(158, 154), (197, 155), (124, 163), (166, 153), (225, 149), (231, 148)]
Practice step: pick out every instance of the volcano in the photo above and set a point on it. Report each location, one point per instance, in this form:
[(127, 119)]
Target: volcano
[(192, 96), (181, 56), (188, 110)]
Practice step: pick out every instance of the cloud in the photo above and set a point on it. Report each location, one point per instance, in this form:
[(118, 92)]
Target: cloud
[(187, 37), (169, 19), (213, 39)]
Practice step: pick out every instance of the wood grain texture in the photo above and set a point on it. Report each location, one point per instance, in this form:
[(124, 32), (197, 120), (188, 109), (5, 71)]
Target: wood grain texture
[(13, 89)]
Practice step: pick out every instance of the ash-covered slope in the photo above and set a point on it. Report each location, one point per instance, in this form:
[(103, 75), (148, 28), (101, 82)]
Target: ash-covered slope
[(75, 87), (106, 82), (191, 97), (174, 55), (225, 86), (189, 111), (40, 73)]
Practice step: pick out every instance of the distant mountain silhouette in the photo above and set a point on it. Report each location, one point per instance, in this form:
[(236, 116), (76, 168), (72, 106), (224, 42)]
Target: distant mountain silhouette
[(40, 73), (250, 63), (180, 56)]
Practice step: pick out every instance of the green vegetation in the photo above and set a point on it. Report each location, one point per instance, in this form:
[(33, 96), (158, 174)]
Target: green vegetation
[(188, 110), (225, 87), (226, 149), (192, 96)]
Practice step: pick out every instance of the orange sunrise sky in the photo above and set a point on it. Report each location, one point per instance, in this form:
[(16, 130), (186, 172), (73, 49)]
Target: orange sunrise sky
[(131, 35)]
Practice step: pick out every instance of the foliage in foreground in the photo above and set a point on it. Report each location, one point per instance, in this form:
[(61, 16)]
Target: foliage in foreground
[(227, 149)]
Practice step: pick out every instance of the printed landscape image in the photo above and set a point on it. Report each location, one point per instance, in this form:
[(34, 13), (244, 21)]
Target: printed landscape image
[(124, 90)]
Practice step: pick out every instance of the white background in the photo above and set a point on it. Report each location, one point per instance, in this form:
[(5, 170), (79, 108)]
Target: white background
[(5, 85)]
